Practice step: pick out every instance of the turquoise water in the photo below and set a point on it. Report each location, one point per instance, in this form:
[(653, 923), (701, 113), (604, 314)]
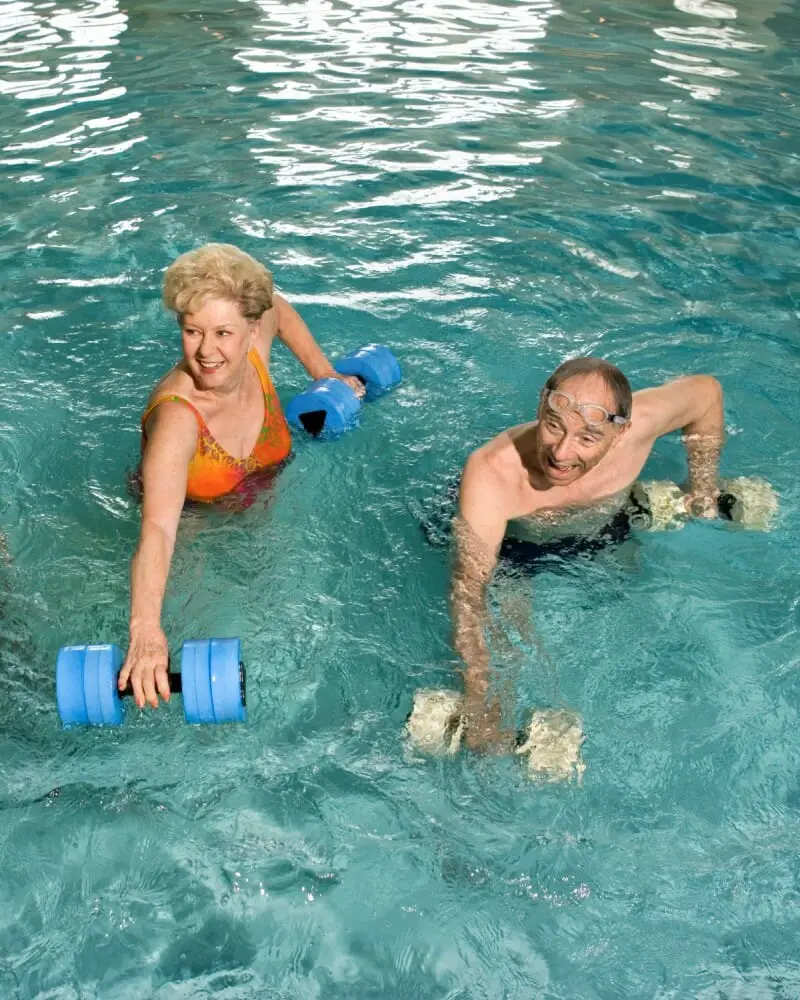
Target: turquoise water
[(486, 187)]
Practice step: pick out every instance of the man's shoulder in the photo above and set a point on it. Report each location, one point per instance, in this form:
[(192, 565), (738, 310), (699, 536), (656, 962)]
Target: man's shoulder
[(646, 399), (647, 410), (498, 459)]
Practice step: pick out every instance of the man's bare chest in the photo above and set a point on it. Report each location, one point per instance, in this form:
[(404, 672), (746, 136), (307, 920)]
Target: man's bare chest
[(609, 480)]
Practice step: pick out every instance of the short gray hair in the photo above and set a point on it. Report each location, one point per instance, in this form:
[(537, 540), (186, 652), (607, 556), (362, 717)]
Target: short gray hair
[(610, 374)]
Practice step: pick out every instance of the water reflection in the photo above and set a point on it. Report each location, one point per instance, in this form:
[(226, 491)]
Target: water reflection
[(732, 39), (54, 60), (749, 32), (706, 8), (369, 98), (693, 72), (74, 44)]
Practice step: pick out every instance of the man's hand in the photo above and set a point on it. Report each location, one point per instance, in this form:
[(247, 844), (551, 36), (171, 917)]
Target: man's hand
[(702, 503), (483, 728)]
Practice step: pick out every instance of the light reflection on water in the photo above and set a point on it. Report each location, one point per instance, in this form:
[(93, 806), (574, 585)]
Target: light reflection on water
[(487, 188)]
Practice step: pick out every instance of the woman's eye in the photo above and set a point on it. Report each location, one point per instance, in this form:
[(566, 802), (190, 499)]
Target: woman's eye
[(588, 441)]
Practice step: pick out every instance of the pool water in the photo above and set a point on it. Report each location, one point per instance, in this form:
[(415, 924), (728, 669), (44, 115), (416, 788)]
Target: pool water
[(487, 188)]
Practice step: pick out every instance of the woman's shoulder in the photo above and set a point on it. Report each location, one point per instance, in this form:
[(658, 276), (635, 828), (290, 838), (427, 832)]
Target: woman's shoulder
[(176, 382), (171, 405), (268, 326)]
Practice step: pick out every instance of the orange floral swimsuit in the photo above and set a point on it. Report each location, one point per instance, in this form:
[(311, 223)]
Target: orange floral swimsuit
[(212, 471)]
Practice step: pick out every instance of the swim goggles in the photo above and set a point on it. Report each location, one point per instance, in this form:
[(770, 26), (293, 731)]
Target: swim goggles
[(594, 414)]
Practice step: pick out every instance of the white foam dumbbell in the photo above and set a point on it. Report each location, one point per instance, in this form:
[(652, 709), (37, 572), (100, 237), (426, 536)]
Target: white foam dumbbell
[(552, 742), (660, 505)]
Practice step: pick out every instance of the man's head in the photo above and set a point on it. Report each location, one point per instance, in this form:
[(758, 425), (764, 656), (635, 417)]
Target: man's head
[(584, 409)]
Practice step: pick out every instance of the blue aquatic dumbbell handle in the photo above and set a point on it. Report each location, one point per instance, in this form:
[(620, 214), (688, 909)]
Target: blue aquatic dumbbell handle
[(235, 693), (175, 685)]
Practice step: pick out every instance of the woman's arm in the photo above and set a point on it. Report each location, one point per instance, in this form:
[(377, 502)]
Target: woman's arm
[(294, 333), (172, 439)]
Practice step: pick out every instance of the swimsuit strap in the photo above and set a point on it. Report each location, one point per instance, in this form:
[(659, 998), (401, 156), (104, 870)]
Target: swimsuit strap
[(267, 388), (172, 398), (255, 359)]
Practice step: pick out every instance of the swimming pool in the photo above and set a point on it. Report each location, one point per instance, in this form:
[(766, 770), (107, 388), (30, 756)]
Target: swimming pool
[(486, 187)]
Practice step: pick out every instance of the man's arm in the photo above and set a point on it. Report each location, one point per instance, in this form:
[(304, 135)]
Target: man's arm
[(478, 531), (693, 405)]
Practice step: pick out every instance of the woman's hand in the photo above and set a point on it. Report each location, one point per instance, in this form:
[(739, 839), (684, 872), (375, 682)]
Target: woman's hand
[(353, 381), (146, 666)]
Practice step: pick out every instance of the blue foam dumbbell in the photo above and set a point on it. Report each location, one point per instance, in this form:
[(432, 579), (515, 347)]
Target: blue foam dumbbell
[(328, 407), (212, 682)]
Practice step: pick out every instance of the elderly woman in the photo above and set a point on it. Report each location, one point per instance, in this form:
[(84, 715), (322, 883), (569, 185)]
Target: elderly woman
[(210, 422)]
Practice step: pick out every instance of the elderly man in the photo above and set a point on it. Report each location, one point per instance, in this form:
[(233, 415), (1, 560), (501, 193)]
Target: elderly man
[(576, 461)]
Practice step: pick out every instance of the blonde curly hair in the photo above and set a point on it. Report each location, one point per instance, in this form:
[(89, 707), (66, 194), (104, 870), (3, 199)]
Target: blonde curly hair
[(218, 271)]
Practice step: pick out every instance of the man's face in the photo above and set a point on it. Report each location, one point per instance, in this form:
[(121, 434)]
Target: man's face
[(569, 446)]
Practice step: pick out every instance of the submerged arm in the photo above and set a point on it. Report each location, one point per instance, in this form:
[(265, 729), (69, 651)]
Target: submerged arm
[(473, 565), (702, 438), (478, 531), (694, 405)]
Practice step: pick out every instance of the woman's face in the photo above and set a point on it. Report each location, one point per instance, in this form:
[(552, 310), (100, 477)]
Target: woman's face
[(216, 339)]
